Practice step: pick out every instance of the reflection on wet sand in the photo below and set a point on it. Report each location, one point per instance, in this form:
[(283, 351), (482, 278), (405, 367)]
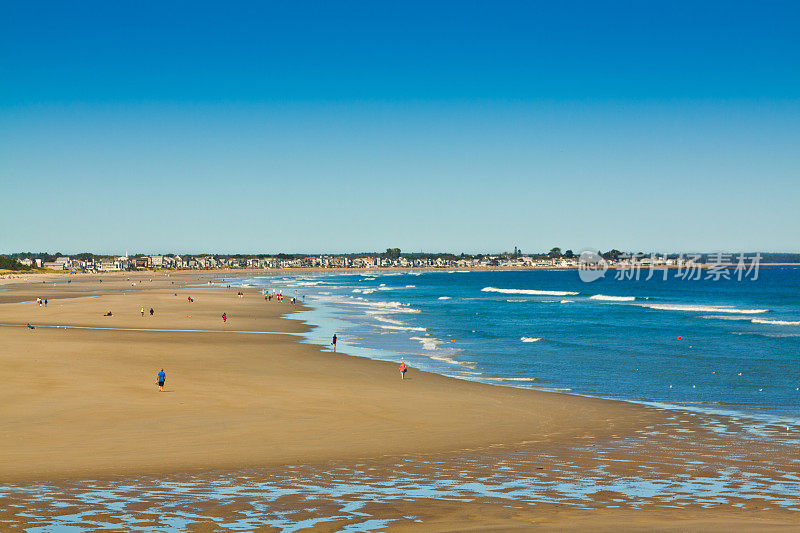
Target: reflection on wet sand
[(718, 469)]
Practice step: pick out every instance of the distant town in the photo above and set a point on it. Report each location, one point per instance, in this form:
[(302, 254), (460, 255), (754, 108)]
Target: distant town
[(391, 258)]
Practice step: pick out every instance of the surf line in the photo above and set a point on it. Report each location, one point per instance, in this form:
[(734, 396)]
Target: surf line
[(154, 329)]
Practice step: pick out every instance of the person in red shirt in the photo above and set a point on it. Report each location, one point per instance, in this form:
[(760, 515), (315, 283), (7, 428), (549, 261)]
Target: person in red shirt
[(403, 369)]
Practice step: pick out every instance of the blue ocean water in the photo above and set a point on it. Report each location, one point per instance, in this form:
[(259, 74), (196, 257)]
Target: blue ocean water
[(726, 346)]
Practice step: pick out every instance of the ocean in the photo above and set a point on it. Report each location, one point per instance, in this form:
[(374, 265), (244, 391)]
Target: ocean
[(723, 347)]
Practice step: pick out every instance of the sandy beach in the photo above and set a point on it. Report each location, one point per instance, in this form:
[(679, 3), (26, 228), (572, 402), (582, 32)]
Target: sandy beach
[(79, 401)]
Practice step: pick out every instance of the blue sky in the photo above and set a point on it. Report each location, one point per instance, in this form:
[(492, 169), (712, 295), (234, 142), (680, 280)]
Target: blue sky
[(348, 126)]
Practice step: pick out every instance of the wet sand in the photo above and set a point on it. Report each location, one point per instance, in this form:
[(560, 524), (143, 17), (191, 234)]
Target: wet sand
[(244, 395)]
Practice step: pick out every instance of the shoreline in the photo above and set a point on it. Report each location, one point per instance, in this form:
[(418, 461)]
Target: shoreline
[(270, 413), (710, 408), (470, 397), (214, 276)]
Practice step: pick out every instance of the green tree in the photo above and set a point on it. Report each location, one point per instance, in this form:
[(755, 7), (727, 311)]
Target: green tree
[(9, 263), (611, 255)]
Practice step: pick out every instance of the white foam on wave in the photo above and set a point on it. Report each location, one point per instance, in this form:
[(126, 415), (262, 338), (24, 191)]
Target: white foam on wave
[(528, 291), (391, 307), (364, 291), (776, 322), (383, 307), (510, 379), (428, 343), (606, 298), (381, 287), (431, 344), (378, 315), (402, 328), (443, 298), (307, 284), (703, 308), (567, 301), (771, 335), (530, 339)]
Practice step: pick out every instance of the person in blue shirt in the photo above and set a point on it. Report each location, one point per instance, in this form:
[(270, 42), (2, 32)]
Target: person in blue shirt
[(162, 377)]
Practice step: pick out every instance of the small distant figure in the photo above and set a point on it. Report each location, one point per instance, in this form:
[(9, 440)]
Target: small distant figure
[(142, 311), (152, 312), (45, 302), (39, 301), (403, 369), (108, 314), (224, 317), (162, 377), (334, 342), (29, 326)]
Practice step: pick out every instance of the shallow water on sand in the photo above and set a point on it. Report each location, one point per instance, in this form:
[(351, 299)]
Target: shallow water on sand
[(656, 468)]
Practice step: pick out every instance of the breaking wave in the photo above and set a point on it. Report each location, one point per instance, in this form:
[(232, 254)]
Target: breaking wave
[(428, 343), (606, 298), (528, 291), (703, 308), (402, 328), (776, 322), (511, 379)]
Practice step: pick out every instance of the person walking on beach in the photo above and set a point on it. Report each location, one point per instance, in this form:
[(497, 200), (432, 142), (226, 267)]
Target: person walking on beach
[(45, 302), (161, 378), (224, 317), (334, 342), (142, 311), (403, 369), (152, 312)]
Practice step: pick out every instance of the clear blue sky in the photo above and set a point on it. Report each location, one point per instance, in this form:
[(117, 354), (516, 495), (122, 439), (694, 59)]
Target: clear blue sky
[(348, 126)]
